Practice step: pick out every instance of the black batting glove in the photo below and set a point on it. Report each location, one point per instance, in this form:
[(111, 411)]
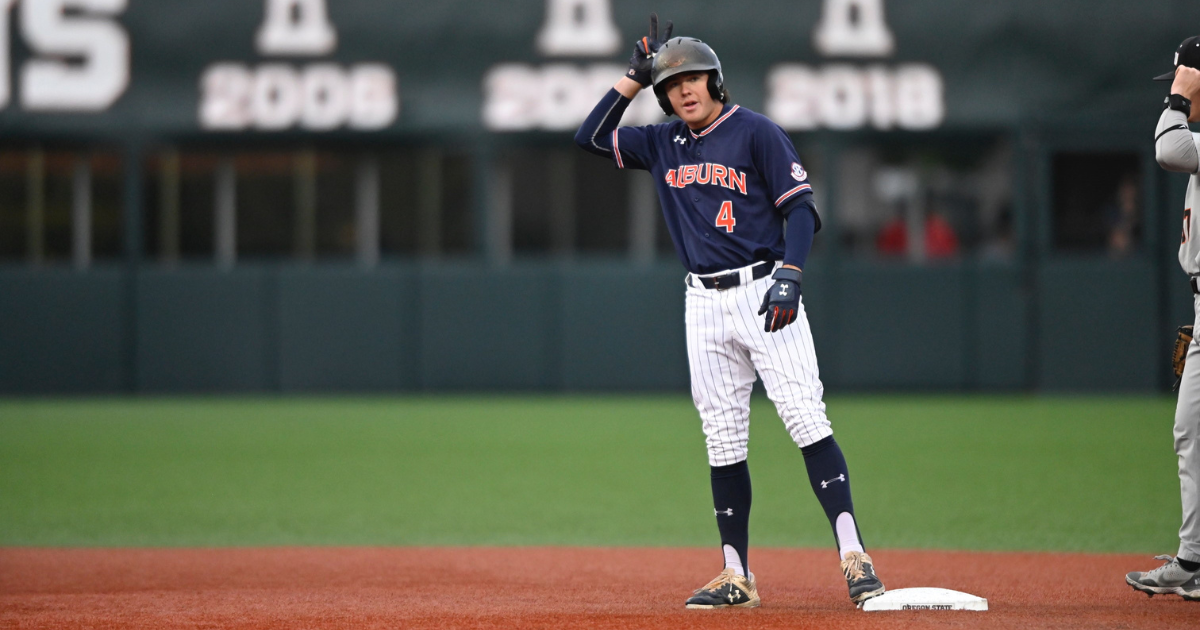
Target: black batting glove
[(644, 51), (782, 301)]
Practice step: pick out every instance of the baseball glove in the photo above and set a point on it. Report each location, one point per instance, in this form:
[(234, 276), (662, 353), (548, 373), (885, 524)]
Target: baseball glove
[(1183, 338)]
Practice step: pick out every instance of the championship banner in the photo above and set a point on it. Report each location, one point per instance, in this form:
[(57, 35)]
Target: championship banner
[(124, 68)]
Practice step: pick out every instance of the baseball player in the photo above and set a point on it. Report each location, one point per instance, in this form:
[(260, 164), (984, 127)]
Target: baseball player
[(1175, 147), (727, 178)]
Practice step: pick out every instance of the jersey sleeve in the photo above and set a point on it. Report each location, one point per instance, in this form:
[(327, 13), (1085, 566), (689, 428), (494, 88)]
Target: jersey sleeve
[(775, 158), (633, 147), (1175, 147)]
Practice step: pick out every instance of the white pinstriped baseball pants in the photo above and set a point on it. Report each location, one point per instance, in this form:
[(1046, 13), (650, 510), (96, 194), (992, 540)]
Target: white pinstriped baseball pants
[(726, 345)]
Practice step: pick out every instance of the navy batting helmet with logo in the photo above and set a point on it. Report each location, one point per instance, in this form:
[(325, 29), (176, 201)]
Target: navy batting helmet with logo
[(686, 54)]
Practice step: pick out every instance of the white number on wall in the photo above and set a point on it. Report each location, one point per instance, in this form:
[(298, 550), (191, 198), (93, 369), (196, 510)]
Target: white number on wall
[(555, 97), (319, 97), (842, 96)]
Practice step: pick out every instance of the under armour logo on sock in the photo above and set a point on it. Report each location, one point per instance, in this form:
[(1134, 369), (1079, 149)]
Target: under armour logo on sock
[(825, 484), (728, 512)]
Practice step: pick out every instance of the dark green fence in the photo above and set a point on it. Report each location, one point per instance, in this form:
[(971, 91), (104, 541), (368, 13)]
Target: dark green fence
[(1082, 325)]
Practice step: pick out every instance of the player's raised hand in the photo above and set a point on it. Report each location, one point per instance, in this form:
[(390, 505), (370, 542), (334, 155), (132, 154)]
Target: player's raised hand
[(644, 51), (1187, 85), (782, 302)]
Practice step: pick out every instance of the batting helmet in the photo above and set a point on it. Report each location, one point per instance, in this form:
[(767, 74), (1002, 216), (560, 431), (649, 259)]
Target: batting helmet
[(1188, 54), (686, 54)]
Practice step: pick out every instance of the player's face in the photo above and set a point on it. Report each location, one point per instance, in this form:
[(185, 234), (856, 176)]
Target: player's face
[(689, 97)]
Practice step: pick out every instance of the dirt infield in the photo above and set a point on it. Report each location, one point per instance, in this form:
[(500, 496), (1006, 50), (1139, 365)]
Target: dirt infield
[(277, 588)]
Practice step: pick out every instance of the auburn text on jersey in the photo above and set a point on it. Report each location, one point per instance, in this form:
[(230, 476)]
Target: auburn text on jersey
[(707, 173)]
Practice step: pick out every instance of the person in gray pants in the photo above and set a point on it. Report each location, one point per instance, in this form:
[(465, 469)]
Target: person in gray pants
[(1175, 148)]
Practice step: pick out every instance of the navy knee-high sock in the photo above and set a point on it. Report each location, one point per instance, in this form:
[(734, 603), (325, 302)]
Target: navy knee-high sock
[(830, 481), (731, 502)]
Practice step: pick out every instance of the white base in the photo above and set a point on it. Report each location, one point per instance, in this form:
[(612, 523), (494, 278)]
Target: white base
[(924, 599)]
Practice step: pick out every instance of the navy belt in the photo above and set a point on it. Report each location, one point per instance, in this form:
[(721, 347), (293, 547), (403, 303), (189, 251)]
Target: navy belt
[(733, 278), (1195, 285)]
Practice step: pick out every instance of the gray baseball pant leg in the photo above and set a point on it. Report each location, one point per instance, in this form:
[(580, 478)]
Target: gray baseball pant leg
[(1187, 448)]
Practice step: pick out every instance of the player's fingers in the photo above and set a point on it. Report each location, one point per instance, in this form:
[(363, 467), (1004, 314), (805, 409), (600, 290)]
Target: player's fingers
[(667, 33), (762, 310), (775, 319), (645, 46), (791, 316), (653, 26)]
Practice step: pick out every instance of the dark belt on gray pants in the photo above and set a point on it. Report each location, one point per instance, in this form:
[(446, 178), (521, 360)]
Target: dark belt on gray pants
[(1195, 285)]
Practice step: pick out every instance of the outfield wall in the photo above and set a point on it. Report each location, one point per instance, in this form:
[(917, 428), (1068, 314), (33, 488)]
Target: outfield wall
[(1088, 326), (184, 104)]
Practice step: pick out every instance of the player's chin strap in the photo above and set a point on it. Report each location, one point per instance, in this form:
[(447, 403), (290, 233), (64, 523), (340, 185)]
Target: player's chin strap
[(787, 273)]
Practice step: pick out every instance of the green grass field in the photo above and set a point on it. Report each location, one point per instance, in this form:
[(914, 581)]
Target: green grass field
[(985, 473)]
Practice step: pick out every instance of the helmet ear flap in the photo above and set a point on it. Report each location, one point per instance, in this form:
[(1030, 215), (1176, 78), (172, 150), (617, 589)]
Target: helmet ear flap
[(663, 101), (716, 87)]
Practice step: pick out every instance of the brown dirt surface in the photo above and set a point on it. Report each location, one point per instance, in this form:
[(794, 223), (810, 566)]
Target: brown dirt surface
[(323, 587)]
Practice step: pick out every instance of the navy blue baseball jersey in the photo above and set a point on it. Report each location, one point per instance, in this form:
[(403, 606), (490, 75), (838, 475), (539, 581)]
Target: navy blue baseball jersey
[(724, 190)]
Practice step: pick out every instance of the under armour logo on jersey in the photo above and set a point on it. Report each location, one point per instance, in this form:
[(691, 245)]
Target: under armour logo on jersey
[(825, 484), (728, 512), (680, 140), (798, 172)]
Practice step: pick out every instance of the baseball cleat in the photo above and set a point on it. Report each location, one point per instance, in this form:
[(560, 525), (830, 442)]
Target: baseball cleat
[(860, 577), (1190, 590), (1168, 579), (727, 590)]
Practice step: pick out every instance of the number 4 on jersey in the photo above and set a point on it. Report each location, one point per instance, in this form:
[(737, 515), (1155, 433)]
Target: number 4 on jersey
[(725, 216)]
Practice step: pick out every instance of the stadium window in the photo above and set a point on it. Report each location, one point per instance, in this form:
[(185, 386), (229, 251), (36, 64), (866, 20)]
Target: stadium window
[(564, 204), (306, 204), (336, 179), (179, 201), (266, 207), (409, 202), (1097, 203), (107, 186), (603, 206), (925, 203), (14, 203), (425, 202), (543, 210), (60, 205), (458, 225)]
